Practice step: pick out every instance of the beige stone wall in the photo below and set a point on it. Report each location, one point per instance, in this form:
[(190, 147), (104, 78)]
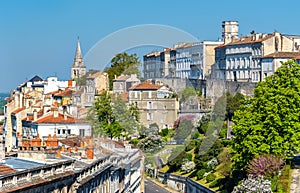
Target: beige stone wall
[(164, 110), (102, 83), (283, 44), (209, 58)]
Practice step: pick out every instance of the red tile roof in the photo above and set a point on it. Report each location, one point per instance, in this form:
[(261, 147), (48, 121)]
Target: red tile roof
[(59, 119), (247, 40), (6, 169), (17, 110), (146, 86), (67, 93), (283, 55)]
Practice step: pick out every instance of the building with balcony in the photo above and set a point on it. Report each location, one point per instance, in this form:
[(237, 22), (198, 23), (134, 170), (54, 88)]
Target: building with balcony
[(240, 59)]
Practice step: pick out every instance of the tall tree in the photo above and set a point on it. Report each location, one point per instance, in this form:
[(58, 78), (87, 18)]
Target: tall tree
[(123, 63), (105, 120), (124, 117), (269, 123)]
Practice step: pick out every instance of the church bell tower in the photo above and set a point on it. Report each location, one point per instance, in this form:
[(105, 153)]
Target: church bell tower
[(78, 68)]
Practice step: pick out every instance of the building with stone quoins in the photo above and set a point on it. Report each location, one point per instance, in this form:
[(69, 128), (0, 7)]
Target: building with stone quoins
[(156, 104)]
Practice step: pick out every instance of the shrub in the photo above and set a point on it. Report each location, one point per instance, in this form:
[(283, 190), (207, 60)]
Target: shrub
[(200, 174), (189, 156), (253, 185), (191, 145), (210, 177), (188, 166), (265, 165), (213, 184), (212, 163), (134, 141), (196, 135), (164, 132)]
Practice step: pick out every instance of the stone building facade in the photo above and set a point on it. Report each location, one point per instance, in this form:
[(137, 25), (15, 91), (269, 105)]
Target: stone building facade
[(240, 59), (156, 104), (156, 64)]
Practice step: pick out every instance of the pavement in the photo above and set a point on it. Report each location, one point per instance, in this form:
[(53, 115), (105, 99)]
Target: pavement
[(152, 186), (295, 184)]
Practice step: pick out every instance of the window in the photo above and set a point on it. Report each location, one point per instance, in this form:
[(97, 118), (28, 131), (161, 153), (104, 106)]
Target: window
[(81, 132), (135, 94), (149, 105), (149, 116), (150, 94)]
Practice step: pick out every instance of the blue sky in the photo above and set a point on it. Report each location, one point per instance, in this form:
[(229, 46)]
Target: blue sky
[(39, 37)]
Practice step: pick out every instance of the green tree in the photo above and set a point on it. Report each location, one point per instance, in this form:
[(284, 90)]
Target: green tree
[(126, 117), (105, 121), (269, 123), (187, 92), (123, 63)]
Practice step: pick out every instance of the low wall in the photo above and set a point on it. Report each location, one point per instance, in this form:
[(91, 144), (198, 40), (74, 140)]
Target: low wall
[(182, 183)]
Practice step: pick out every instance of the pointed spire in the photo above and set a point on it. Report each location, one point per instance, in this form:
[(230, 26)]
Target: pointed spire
[(78, 61)]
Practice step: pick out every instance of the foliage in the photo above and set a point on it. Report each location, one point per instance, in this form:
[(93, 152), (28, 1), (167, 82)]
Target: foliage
[(134, 141), (191, 144), (223, 131), (123, 63), (124, 116), (200, 174), (151, 143), (2, 104), (213, 184), (102, 117), (210, 177), (164, 132), (111, 117), (225, 163), (284, 180), (203, 123), (187, 166), (189, 156), (176, 159), (186, 93), (233, 103), (253, 185), (269, 122), (183, 127), (134, 112), (202, 159), (212, 163), (265, 165)]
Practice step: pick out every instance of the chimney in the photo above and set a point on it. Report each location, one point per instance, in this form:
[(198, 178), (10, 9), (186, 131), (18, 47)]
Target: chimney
[(58, 153), (90, 152), (55, 112), (34, 115), (65, 115)]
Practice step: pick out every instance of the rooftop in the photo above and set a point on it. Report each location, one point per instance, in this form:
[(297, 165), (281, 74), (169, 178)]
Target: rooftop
[(283, 55), (59, 119), (97, 74), (147, 85)]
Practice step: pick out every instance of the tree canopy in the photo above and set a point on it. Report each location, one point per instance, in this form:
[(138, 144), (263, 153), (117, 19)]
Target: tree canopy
[(123, 63), (269, 123), (110, 116)]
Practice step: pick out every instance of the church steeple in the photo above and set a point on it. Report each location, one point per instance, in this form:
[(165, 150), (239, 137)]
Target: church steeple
[(78, 67)]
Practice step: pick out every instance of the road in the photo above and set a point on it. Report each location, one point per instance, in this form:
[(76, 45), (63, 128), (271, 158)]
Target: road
[(151, 187)]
